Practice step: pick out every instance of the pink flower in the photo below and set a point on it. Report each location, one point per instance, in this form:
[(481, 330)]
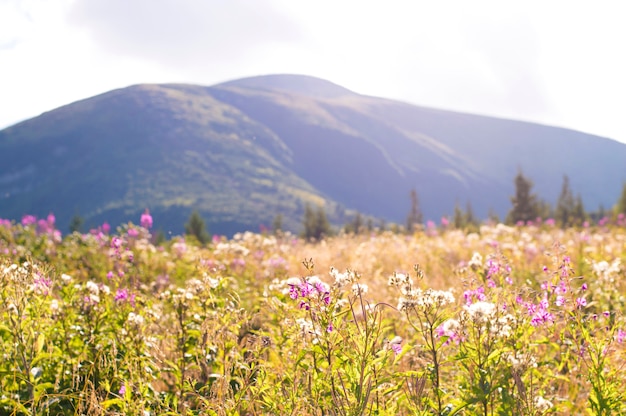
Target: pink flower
[(28, 220), (146, 220), (581, 302), (293, 292)]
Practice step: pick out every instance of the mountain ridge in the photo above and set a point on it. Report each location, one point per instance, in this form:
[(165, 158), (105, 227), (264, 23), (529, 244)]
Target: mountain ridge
[(245, 150)]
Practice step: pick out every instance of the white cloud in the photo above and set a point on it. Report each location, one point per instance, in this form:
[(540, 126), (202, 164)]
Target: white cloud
[(556, 62)]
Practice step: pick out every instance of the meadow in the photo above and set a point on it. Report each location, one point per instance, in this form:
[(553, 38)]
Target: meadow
[(500, 320)]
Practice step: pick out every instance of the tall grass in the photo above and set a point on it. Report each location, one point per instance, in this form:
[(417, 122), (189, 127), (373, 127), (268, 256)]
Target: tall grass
[(524, 320)]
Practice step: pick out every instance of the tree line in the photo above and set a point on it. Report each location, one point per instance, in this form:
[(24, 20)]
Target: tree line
[(526, 207)]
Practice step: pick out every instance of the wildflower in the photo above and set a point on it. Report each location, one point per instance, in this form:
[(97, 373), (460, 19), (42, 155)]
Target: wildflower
[(135, 319), (620, 336), (584, 287), (330, 327), (398, 279), (306, 289), (28, 220), (451, 329), (560, 300), (581, 302), (481, 311), (92, 287), (478, 294), (122, 390), (542, 404), (476, 262), (359, 289), (146, 220), (293, 292), (121, 295), (321, 287), (42, 285), (116, 242), (342, 279)]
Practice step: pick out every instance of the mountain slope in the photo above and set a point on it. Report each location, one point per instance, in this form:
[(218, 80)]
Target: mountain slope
[(242, 151)]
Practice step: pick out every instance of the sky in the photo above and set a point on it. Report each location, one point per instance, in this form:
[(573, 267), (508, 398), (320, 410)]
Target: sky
[(554, 62)]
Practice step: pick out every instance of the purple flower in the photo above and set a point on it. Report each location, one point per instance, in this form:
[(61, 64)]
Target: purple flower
[(122, 390), (330, 327), (581, 302), (584, 287), (293, 292), (116, 242), (306, 289), (326, 298), (397, 348), (121, 295), (28, 220), (146, 220)]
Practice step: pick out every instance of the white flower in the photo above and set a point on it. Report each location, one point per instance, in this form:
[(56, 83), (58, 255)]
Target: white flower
[(476, 262), (542, 404), (481, 312), (437, 298), (398, 279), (92, 287), (135, 319), (359, 289), (342, 279), (66, 278)]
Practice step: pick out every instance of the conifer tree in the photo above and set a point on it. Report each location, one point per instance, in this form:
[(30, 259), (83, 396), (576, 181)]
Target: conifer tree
[(621, 203), (565, 205), (76, 223), (470, 218), (579, 214), (458, 219), (525, 206), (316, 224), (415, 216), (196, 227), (277, 224)]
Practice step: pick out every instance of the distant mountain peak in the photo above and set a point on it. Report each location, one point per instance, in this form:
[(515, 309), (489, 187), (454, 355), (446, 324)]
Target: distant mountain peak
[(292, 83)]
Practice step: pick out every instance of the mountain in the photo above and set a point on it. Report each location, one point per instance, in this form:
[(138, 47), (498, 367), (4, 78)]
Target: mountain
[(243, 151)]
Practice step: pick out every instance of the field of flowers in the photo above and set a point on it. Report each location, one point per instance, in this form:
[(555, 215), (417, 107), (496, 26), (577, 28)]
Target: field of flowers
[(525, 320)]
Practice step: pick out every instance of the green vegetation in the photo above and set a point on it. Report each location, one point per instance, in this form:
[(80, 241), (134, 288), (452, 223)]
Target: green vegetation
[(196, 228), (525, 204), (504, 320), (315, 223)]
